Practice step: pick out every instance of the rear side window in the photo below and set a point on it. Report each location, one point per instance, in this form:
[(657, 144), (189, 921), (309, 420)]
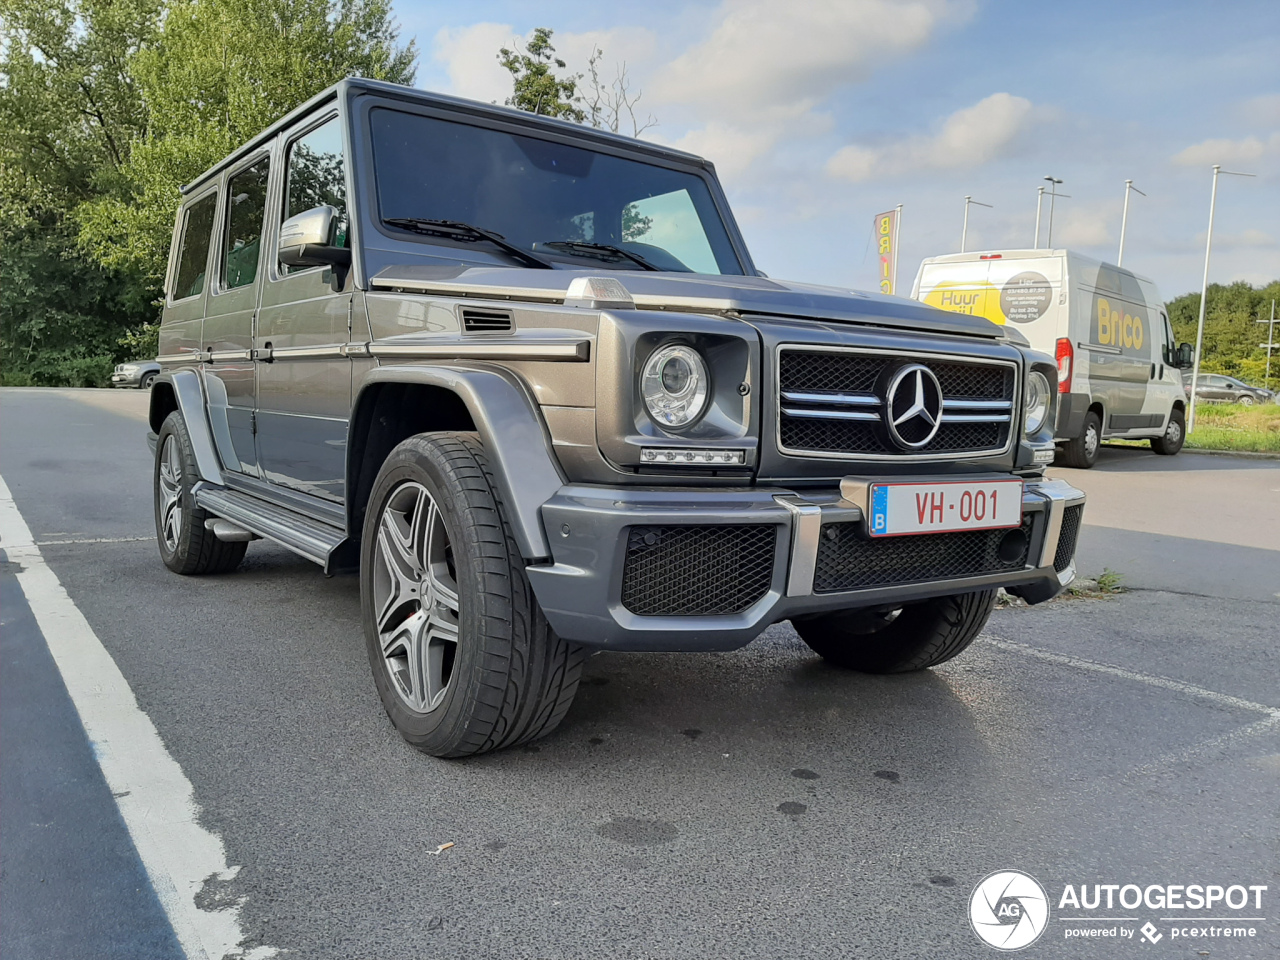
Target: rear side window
[(246, 208), (316, 177), (193, 255)]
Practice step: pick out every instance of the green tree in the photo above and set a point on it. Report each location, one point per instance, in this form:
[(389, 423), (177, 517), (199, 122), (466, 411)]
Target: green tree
[(70, 113), (108, 107), (536, 88), (220, 71), (1231, 331)]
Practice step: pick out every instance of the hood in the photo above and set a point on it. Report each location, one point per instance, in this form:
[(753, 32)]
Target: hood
[(693, 292)]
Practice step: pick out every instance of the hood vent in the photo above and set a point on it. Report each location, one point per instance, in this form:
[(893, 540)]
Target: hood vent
[(486, 321)]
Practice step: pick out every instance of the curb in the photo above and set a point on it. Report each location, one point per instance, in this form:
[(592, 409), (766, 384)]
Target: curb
[(1243, 454)]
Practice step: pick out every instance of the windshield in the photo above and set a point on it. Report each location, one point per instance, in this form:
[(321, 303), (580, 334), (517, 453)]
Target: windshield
[(566, 204)]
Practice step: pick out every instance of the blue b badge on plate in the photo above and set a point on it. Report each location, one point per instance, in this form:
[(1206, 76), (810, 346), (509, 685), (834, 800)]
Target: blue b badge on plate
[(879, 509)]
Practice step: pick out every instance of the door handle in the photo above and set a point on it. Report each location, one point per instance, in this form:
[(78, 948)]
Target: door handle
[(264, 353)]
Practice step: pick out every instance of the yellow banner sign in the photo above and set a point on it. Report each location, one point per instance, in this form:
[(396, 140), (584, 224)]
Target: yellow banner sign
[(886, 234)]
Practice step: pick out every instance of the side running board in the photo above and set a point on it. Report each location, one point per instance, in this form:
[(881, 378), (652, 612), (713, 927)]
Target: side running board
[(305, 536)]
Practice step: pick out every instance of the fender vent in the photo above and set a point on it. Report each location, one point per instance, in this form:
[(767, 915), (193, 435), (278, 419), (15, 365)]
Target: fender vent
[(486, 321)]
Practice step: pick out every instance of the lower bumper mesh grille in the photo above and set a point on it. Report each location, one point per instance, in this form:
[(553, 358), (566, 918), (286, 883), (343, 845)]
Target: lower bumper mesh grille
[(697, 570), (848, 561), (1067, 538)]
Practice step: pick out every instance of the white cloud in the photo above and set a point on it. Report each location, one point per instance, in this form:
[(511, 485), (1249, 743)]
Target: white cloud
[(1250, 237), (1081, 225), (968, 138), (766, 57), (470, 57), (1261, 111), (732, 149), (1223, 151), (766, 68)]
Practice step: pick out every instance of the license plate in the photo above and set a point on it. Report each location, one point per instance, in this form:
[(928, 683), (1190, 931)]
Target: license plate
[(900, 509)]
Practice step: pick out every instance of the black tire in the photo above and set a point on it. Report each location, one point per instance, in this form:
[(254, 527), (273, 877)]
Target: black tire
[(916, 637), (147, 381), (509, 679), (1246, 400), (1082, 451), (1175, 434), (186, 547)]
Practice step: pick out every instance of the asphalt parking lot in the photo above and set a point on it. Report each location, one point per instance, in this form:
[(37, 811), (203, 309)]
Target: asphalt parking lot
[(750, 804)]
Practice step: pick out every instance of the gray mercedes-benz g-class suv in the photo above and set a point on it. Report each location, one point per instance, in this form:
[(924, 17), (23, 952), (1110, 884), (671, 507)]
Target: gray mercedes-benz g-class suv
[(524, 378)]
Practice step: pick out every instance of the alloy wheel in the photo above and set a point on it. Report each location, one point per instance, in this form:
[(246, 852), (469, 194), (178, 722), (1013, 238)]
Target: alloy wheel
[(415, 594), (170, 493)]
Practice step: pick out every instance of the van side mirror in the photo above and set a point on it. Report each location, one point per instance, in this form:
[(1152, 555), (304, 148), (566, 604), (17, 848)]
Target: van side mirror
[(307, 240), (1185, 358)]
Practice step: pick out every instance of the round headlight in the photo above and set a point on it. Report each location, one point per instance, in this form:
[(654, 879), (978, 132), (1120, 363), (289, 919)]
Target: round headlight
[(675, 385), (1037, 402)]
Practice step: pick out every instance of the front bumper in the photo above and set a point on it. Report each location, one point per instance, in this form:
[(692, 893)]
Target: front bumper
[(581, 591), (126, 379)]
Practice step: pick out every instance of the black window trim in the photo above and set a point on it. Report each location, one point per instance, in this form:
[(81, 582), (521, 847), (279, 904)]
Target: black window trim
[(217, 288), (288, 138), (176, 260), (367, 103)]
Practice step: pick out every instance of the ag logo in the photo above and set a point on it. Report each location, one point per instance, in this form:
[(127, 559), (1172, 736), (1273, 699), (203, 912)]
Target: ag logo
[(1009, 910)]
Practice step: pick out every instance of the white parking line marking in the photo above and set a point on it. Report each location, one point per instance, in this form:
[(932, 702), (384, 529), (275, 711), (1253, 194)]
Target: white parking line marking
[(155, 797), (1205, 749), (59, 543), (1196, 751), (1167, 683)]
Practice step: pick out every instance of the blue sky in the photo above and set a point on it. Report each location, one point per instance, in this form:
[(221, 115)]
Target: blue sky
[(820, 113)]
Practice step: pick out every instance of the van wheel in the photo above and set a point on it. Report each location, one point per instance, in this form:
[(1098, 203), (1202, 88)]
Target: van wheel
[(1174, 435), (462, 656), (914, 637), (185, 545), (1082, 451)]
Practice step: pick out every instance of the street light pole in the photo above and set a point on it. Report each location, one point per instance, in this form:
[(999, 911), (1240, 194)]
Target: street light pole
[(1039, 203), (1124, 219), (1204, 291), (1053, 195), (964, 232), (1270, 345)]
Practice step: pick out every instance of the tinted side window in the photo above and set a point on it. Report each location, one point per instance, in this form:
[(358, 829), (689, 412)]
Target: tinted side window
[(193, 255), (246, 207), (316, 177)]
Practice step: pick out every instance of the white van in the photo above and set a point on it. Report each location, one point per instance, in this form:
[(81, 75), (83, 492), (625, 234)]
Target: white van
[(1119, 370)]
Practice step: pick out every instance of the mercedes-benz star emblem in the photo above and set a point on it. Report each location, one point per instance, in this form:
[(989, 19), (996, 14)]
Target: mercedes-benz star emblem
[(913, 406)]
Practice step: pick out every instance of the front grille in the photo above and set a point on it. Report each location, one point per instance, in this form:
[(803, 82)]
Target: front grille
[(847, 560), (828, 404), (1067, 537), (697, 571)]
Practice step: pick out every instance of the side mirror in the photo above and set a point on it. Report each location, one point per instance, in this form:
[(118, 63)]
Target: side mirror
[(1185, 358), (307, 240)]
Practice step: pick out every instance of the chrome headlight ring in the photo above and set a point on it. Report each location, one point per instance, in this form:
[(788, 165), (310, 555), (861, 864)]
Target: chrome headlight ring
[(675, 385)]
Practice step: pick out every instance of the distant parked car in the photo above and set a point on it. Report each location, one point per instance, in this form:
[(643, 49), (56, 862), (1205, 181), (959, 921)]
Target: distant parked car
[(140, 373), (1223, 389)]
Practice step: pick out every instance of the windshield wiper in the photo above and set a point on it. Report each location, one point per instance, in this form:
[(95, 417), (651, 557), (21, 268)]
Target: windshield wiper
[(465, 232), (587, 249)]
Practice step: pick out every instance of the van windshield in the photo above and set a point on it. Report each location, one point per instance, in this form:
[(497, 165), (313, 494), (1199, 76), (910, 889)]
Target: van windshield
[(563, 204)]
